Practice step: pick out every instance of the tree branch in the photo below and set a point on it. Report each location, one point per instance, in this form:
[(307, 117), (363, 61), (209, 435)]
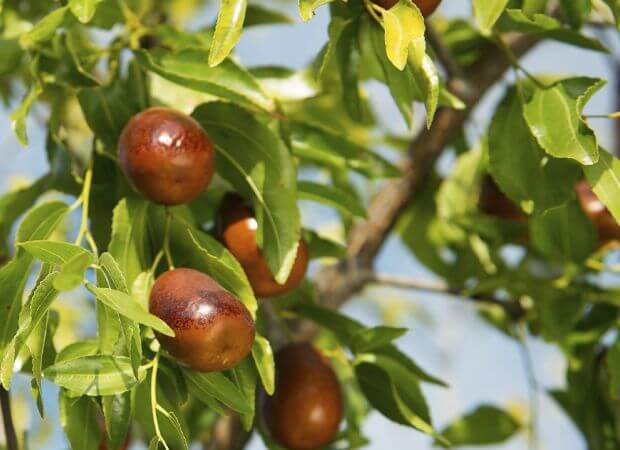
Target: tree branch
[(9, 428)]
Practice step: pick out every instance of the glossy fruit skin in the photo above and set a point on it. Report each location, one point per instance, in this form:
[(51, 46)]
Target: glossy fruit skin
[(495, 203), (427, 7), (167, 156), (306, 409), (213, 329), (238, 233), (605, 224)]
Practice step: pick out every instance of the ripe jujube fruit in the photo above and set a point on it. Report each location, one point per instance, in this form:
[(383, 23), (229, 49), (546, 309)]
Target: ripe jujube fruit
[(495, 203), (167, 156), (605, 224), (427, 7), (306, 409), (213, 330), (238, 233)]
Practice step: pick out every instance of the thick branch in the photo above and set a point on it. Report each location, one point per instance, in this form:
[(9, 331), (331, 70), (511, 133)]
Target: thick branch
[(9, 429)]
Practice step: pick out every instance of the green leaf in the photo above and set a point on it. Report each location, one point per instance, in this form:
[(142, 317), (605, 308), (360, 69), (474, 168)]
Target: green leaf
[(394, 392), (55, 253), (259, 15), (259, 166), (227, 29), (77, 350), (94, 375), (322, 247), (244, 376), (577, 11), (129, 240), (205, 386), (604, 177), (332, 196), (520, 167), (78, 417), (614, 6), (404, 27), (307, 8), (123, 304), (613, 364), (84, 10), (369, 339), (190, 69), (554, 117), (325, 147), (222, 266), (263, 358), (564, 233), (485, 425), (286, 84), (487, 12), (18, 117), (547, 27), (117, 415), (45, 28), (31, 316)]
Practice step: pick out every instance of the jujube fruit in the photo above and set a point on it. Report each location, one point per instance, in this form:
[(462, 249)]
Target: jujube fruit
[(238, 233), (605, 224), (427, 7), (213, 329), (167, 156), (494, 202), (306, 409)]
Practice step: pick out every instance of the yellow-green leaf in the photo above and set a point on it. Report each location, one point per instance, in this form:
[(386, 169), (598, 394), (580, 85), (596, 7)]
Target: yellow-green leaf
[(404, 28), (227, 29)]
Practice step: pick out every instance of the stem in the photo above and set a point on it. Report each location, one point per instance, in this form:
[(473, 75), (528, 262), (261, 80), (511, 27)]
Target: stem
[(84, 200), (154, 404), (516, 64), (7, 418), (528, 367), (167, 240)]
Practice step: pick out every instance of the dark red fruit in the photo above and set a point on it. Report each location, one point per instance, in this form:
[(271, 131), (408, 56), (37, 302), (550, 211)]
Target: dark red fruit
[(605, 224), (167, 156), (213, 330), (238, 233), (306, 409), (495, 203), (427, 7)]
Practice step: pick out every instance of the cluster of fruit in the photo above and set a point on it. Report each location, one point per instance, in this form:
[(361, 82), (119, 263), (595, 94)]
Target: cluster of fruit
[(170, 159)]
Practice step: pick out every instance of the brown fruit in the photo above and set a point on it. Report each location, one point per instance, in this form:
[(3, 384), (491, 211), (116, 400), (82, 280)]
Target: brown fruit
[(306, 409), (213, 330), (238, 233), (167, 156), (495, 203), (605, 224), (427, 7)]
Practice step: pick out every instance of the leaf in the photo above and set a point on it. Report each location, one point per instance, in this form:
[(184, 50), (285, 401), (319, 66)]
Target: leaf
[(18, 117), (128, 245), (190, 69), (123, 304), (227, 29), (326, 147), (222, 266), (77, 350), (55, 253), (614, 6), (45, 28), (263, 358), (94, 375), (547, 27), (322, 247), (84, 11), (604, 177), (404, 25), (487, 12), (256, 15), (554, 118), (613, 364), (117, 415), (286, 84), (244, 375), (72, 273), (332, 196), (520, 167), (30, 317), (307, 8), (484, 426), (369, 339), (78, 417), (259, 166), (218, 386)]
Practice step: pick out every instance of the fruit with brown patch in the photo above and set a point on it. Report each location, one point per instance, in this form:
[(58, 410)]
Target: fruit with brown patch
[(306, 409), (213, 329), (167, 156)]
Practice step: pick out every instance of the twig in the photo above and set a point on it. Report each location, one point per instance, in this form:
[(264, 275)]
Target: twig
[(7, 418), (528, 367)]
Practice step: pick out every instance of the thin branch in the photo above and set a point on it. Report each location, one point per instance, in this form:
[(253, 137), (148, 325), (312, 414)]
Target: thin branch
[(528, 367), (7, 418), (443, 52)]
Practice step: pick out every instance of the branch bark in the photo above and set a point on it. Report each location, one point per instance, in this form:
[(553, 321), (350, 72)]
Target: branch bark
[(7, 417)]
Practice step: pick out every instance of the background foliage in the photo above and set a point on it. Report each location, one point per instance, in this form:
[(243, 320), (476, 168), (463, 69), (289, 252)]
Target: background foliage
[(87, 83)]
